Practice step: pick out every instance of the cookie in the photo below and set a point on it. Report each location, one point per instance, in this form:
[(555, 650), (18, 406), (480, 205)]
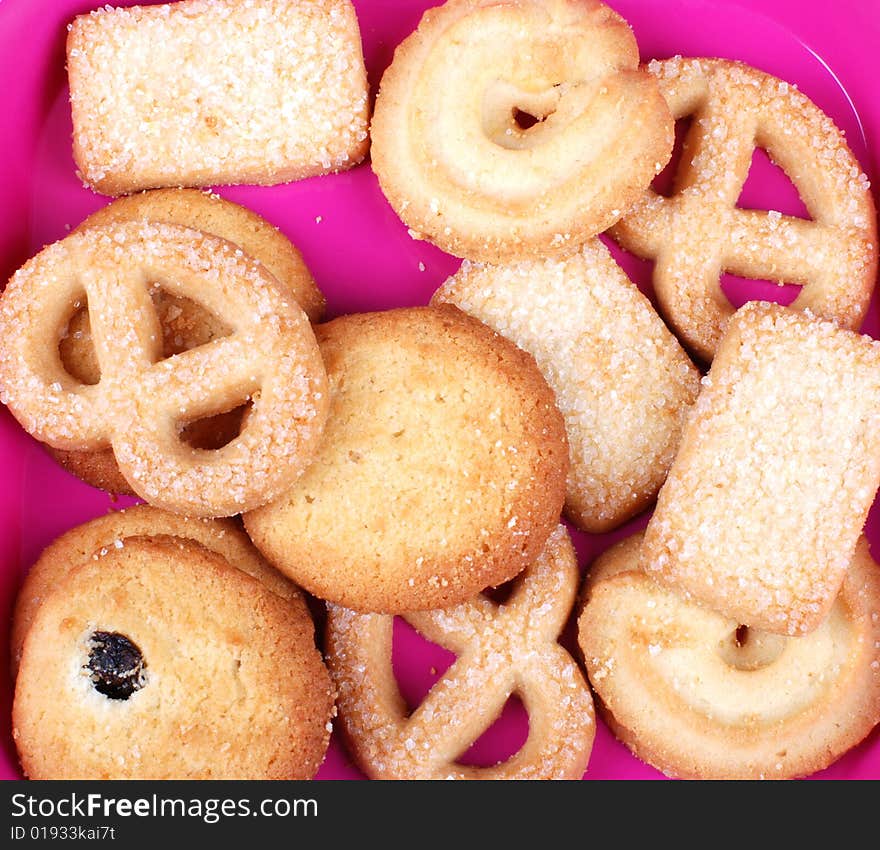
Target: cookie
[(198, 93), (510, 130), (185, 324), (699, 232), (622, 381), (778, 466), (269, 357), (162, 661), (700, 696), (502, 650), (441, 471), (97, 536)]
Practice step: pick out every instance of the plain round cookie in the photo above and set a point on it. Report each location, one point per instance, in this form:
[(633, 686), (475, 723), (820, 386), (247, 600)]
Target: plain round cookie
[(622, 381), (441, 472), (701, 696), (161, 661), (185, 323), (92, 539), (517, 129)]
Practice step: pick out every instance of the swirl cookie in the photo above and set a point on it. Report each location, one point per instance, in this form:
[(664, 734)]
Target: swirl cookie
[(622, 381), (509, 130), (184, 323), (269, 357), (88, 541), (700, 696), (199, 93), (777, 468), (502, 650), (124, 675), (441, 471), (698, 232)]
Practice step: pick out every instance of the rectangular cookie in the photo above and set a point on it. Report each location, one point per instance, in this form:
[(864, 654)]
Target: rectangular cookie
[(216, 92), (778, 466)]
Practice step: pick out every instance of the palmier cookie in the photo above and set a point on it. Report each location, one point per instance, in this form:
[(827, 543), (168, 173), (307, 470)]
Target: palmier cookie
[(184, 323), (509, 130), (212, 92), (96, 537), (161, 661), (502, 650), (270, 356), (700, 696), (441, 472), (699, 232), (622, 381), (778, 465)]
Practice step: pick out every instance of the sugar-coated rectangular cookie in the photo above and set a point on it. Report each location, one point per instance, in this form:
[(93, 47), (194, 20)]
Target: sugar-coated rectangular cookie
[(778, 466), (216, 92), (622, 382)]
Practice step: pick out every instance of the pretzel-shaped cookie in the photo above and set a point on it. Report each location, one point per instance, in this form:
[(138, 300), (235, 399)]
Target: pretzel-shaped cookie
[(141, 400), (451, 144), (698, 233), (502, 649)]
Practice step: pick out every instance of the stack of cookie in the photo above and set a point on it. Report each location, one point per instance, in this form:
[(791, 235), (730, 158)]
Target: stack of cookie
[(403, 463)]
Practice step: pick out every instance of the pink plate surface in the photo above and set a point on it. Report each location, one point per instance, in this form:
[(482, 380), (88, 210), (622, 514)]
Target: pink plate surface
[(363, 259)]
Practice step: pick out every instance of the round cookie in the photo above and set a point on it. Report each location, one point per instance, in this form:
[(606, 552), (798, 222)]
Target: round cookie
[(94, 538), (517, 129), (161, 661), (185, 323), (700, 696), (442, 469)]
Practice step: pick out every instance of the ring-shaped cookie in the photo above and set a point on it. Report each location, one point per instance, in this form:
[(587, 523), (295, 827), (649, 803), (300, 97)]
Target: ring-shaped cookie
[(700, 696), (449, 141)]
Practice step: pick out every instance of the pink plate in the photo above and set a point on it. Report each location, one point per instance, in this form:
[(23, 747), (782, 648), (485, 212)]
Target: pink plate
[(363, 259)]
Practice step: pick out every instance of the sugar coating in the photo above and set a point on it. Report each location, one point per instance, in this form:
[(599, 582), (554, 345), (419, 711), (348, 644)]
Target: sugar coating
[(502, 649), (234, 688), (206, 92), (462, 173), (692, 693), (621, 380), (270, 357), (699, 232), (778, 465)]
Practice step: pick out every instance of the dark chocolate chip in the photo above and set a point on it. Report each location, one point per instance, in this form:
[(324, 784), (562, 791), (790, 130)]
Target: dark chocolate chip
[(117, 665)]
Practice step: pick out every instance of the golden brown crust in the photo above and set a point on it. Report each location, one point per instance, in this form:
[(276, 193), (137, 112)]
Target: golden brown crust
[(777, 468), (213, 92), (88, 541), (699, 696), (242, 693), (185, 324), (502, 650), (462, 173), (233, 222), (622, 382), (698, 232), (270, 357), (441, 472)]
